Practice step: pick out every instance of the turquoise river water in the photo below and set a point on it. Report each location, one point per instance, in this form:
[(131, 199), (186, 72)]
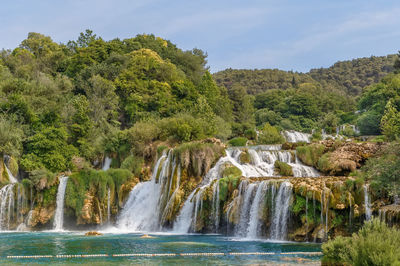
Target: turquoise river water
[(111, 244)]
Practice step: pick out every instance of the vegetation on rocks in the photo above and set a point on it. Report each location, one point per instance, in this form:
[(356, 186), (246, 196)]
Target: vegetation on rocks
[(374, 244)]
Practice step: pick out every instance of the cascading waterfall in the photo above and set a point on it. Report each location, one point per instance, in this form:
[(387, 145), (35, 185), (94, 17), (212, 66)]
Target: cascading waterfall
[(108, 205), (7, 201), (215, 205), (6, 206), (295, 136), (59, 214), (256, 207), (367, 204), (11, 177), (281, 212), (150, 203), (241, 228), (106, 163), (263, 160)]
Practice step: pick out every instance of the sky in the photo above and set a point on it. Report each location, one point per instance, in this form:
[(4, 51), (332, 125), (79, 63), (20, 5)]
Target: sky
[(293, 35)]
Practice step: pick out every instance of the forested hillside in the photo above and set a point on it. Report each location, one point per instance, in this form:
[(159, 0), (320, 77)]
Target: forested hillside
[(347, 76)]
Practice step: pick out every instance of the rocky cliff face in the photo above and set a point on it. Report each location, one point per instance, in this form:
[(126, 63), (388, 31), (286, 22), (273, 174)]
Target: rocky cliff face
[(305, 208)]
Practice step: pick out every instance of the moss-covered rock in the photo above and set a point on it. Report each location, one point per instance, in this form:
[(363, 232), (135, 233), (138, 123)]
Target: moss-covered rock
[(283, 168)]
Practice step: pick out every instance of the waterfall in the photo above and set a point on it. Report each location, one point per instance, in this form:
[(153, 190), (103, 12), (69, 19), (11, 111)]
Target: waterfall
[(151, 203), (184, 220), (6, 206), (11, 177), (108, 205), (281, 212), (106, 163), (322, 209), (263, 158), (241, 228), (306, 217), (295, 136), (59, 214), (215, 204), (255, 209), (367, 204)]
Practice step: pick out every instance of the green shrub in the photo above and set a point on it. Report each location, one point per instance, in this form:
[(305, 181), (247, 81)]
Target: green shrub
[(250, 134), (133, 164), (374, 244), (299, 205), (270, 135), (198, 157), (310, 154), (238, 141), (42, 178), (283, 168), (324, 164)]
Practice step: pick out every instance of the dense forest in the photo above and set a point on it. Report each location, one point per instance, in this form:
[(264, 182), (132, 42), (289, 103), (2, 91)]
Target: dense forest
[(90, 97)]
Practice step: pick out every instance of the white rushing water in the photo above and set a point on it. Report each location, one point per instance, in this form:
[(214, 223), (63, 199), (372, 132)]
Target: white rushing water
[(59, 214), (7, 201), (295, 136), (281, 212), (367, 204), (106, 163), (108, 205), (149, 202), (262, 161), (6, 206)]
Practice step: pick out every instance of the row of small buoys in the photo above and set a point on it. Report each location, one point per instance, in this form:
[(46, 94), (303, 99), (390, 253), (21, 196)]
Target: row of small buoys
[(202, 254), (302, 253), (251, 253), (165, 255), (146, 255), (30, 257)]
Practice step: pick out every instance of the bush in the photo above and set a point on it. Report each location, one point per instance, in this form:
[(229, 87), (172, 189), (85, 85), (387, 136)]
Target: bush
[(250, 134), (374, 244), (310, 154), (283, 168), (369, 122), (270, 135), (238, 141), (384, 170), (133, 164)]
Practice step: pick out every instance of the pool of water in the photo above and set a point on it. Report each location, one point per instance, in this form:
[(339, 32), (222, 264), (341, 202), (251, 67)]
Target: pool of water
[(76, 243)]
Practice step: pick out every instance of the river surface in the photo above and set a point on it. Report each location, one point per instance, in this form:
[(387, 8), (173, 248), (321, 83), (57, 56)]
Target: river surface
[(76, 243)]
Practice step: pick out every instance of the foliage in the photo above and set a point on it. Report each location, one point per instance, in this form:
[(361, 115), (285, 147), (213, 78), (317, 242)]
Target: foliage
[(42, 178), (283, 168), (197, 157), (238, 141), (11, 137), (374, 100), (270, 135), (374, 244), (310, 154), (390, 123), (133, 164), (91, 181), (48, 148), (384, 170)]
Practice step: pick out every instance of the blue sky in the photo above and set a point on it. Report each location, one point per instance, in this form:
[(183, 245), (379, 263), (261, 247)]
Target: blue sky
[(291, 35)]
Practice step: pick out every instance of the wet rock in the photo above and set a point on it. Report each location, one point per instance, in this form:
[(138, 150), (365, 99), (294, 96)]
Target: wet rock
[(93, 233)]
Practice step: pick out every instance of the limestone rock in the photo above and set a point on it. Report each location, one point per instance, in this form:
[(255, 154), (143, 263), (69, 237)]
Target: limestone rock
[(93, 233)]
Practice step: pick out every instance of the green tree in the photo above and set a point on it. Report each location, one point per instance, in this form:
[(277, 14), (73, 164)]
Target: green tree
[(48, 149), (390, 123), (384, 170)]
